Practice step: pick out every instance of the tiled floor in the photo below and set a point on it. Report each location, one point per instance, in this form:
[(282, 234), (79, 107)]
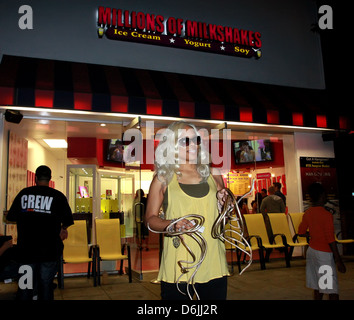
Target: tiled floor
[(275, 283)]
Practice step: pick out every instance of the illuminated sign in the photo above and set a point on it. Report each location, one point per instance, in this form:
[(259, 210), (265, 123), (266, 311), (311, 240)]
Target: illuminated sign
[(123, 25)]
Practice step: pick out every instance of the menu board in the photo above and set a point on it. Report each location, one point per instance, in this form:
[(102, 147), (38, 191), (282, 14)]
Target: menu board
[(239, 183)]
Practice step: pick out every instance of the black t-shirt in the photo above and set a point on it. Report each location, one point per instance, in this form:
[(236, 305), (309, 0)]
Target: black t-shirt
[(40, 212)]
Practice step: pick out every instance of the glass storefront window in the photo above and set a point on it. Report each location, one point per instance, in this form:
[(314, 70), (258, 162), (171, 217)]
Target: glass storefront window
[(116, 198), (107, 191), (81, 192)]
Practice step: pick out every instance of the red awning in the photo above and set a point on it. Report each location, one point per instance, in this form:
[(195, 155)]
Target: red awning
[(79, 86)]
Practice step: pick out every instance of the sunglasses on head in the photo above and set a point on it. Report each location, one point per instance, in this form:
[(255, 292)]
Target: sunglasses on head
[(186, 141)]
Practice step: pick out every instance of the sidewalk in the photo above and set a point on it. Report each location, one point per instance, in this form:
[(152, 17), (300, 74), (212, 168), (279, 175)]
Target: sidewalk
[(275, 283)]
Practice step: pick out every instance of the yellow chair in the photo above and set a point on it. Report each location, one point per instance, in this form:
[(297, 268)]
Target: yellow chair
[(77, 250), (109, 245), (343, 241), (253, 242), (280, 225), (257, 232), (296, 218)]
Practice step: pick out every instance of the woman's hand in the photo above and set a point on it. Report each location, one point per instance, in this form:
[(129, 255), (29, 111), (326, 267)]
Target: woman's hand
[(222, 195), (183, 224)]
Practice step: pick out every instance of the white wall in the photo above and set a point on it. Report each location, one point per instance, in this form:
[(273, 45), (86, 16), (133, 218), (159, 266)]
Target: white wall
[(292, 176), (37, 155)]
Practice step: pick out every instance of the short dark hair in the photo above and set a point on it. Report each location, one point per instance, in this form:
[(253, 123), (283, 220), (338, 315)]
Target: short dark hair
[(43, 173), (316, 190), (277, 184)]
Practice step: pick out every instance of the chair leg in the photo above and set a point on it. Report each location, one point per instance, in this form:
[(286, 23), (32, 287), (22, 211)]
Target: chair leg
[(90, 263), (291, 250), (267, 254), (94, 264), (287, 257), (121, 267), (61, 273), (129, 265), (232, 259), (238, 256), (98, 262), (261, 258)]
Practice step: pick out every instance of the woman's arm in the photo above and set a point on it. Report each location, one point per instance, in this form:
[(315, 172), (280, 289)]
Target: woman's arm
[(221, 194), (154, 203), (219, 181)]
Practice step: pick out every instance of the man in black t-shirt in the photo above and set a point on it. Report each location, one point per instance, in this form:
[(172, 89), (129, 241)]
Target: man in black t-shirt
[(277, 186), (42, 215)]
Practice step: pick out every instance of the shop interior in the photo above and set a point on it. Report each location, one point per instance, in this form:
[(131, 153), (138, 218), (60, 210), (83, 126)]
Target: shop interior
[(98, 188)]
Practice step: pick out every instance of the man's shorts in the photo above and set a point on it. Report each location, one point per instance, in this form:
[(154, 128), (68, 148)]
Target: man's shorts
[(321, 271)]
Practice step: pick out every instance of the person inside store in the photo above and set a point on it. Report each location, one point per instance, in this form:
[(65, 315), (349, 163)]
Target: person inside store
[(243, 206), (185, 185), (277, 186), (139, 211), (42, 215), (264, 193), (247, 153), (272, 203), (116, 153), (322, 252), (256, 203), (254, 206)]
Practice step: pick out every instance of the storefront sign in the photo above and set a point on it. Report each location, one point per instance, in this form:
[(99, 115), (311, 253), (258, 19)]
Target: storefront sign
[(133, 26), (263, 176), (322, 170)]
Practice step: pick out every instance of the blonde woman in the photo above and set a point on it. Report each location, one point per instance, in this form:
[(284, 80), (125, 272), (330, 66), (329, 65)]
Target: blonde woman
[(183, 184)]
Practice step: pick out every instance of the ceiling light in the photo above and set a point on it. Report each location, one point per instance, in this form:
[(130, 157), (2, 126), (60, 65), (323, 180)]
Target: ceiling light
[(102, 124), (56, 143)]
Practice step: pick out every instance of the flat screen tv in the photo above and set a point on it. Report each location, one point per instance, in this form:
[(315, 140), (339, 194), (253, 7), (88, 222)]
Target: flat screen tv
[(115, 151), (249, 151)]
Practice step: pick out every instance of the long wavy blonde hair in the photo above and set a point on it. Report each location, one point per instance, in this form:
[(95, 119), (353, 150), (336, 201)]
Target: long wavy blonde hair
[(167, 162)]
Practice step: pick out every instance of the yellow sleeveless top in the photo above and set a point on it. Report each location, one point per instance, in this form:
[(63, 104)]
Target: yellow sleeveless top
[(180, 204)]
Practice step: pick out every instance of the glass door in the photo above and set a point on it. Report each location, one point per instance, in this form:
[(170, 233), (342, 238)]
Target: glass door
[(117, 190), (116, 198), (132, 202), (81, 191)]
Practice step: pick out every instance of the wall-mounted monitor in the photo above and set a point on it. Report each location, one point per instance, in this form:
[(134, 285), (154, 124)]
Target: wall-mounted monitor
[(115, 150), (249, 151)]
